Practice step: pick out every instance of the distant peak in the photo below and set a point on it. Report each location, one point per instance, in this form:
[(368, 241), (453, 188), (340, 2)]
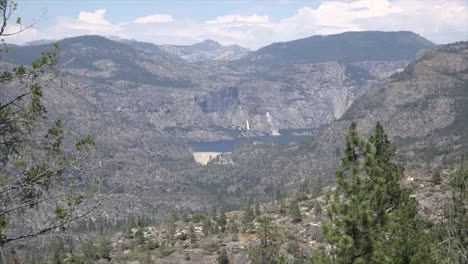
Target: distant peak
[(209, 43)]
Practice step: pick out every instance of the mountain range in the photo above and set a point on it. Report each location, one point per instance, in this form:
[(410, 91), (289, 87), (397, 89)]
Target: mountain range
[(145, 103)]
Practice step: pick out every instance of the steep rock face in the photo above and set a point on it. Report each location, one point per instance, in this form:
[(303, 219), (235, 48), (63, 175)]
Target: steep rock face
[(221, 101), (143, 81), (423, 109)]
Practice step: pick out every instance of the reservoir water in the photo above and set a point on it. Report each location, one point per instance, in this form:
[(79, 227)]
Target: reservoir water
[(229, 145)]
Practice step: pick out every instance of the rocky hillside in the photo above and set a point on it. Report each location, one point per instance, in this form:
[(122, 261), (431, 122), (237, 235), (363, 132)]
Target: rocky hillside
[(174, 93), (143, 105), (423, 109)]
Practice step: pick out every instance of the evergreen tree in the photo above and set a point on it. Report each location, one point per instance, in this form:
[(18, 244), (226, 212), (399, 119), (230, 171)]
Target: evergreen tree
[(171, 230), (317, 189), (206, 226), (267, 252), (191, 233), (295, 212), (174, 217), (222, 221), (258, 212), (213, 212), (317, 208), (248, 218), (186, 217), (215, 229), (455, 237), (436, 176), (140, 236), (371, 216)]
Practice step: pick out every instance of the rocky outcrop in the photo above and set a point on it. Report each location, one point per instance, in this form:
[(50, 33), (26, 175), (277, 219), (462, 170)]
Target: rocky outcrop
[(221, 101)]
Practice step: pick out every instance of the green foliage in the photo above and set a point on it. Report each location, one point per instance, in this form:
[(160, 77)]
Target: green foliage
[(371, 218), (248, 218), (35, 166), (89, 251), (211, 246), (206, 226), (174, 216), (293, 248), (233, 227), (454, 228), (257, 211), (186, 217), (222, 221), (152, 244), (191, 234), (165, 251), (197, 218), (436, 176), (318, 188), (295, 212), (317, 208), (140, 236), (104, 248), (268, 249)]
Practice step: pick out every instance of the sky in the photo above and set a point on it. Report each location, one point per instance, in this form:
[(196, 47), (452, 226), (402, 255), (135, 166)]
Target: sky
[(251, 24)]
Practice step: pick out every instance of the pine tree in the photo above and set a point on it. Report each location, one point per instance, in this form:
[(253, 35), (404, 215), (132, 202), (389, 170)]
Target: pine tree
[(222, 221), (456, 216), (206, 226), (191, 233), (295, 212), (267, 252), (248, 218), (258, 212), (371, 216), (186, 217), (317, 189), (317, 208), (436, 176)]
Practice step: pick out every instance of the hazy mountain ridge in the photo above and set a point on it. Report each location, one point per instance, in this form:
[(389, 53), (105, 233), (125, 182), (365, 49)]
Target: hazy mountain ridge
[(142, 105), (205, 51), (346, 47)]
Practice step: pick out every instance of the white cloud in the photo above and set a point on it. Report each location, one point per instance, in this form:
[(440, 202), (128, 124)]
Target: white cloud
[(156, 18), (94, 18), (440, 21), (252, 19), (86, 23)]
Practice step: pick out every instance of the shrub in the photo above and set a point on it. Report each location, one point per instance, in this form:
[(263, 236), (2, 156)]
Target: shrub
[(211, 246)]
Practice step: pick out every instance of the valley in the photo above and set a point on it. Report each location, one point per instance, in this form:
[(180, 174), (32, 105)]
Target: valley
[(339, 148), (149, 110)]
